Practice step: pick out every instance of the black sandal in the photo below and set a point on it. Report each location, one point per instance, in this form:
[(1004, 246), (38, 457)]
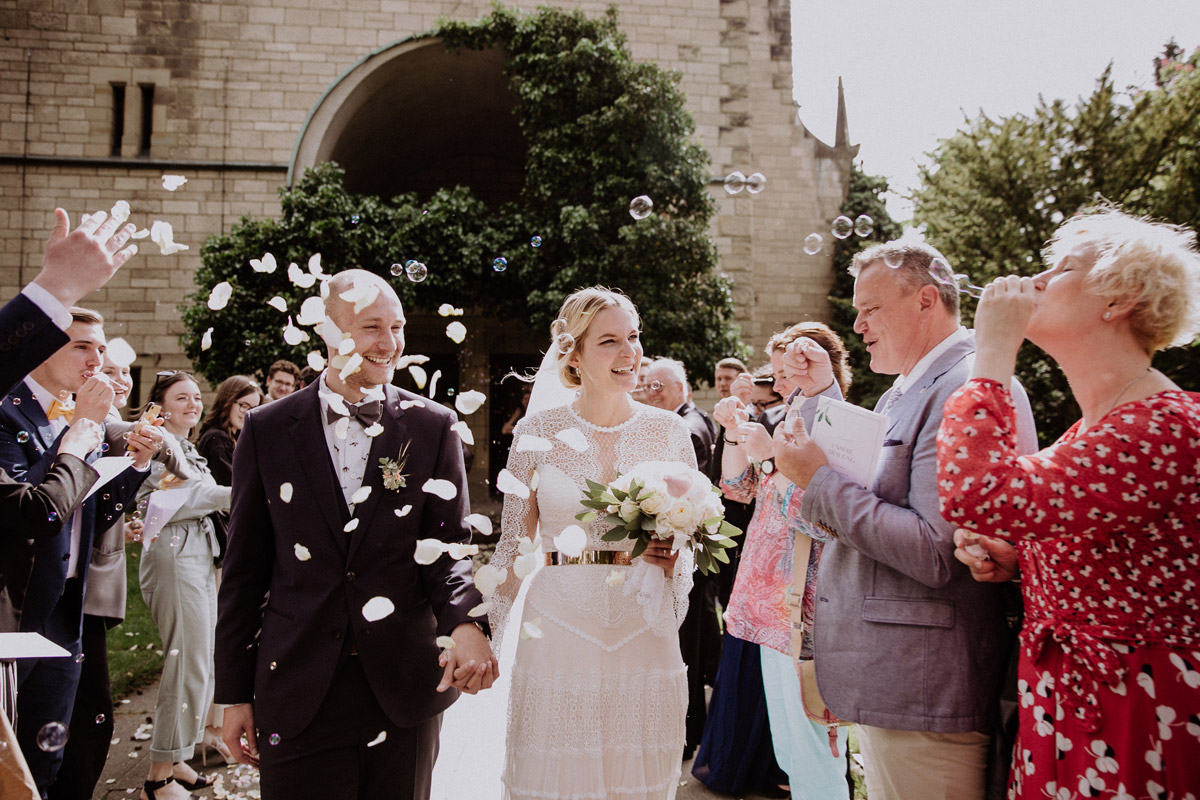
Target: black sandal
[(150, 787), (201, 782)]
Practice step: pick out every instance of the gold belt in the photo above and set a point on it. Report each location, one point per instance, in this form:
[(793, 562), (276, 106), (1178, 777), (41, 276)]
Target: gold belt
[(615, 557)]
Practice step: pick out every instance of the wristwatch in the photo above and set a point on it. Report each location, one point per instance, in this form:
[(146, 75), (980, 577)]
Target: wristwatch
[(768, 466)]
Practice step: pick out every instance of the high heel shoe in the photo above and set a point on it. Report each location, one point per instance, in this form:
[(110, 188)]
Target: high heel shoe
[(150, 787), (201, 782), (213, 740)]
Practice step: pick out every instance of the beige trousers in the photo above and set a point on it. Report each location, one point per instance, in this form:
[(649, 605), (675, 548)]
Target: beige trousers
[(918, 765)]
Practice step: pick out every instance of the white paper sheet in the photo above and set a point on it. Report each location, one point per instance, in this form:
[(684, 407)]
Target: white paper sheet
[(159, 509), (109, 467), (851, 437), (29, 645)]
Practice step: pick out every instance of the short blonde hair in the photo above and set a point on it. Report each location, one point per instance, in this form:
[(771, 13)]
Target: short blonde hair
[(1152, 263), (577, 313)]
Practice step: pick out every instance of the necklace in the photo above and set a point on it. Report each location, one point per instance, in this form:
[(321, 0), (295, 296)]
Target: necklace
[(1125, 389)]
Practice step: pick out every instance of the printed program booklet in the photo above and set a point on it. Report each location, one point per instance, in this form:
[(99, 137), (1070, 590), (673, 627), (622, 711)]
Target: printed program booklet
[(851, 437)]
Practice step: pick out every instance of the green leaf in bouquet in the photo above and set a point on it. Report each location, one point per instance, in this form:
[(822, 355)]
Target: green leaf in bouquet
[(599, 505), (586, 516), (594, 489), (724, 542), (649, 524), (721, 555), (615, 520), (729, 530), (615, 535), (639, 547)]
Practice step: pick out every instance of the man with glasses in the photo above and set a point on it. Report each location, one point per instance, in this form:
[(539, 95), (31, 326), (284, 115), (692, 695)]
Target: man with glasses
[(283, 378)]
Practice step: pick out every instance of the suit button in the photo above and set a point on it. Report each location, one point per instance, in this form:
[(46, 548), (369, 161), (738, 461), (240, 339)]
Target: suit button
[(337, 634), (350, 576)]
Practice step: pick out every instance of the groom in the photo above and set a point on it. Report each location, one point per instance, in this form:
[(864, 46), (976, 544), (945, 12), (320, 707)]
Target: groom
[(326, 634)]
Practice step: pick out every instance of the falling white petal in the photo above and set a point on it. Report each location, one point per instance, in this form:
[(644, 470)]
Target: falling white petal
[(437, 375), (480, 610), (299, 278), (428, 550), (360, 496), (488, 578), (445, 642), (456, 331), (119, 211), (525, 545), (265, 264), (573, 438), (206, 339), (480, 522), (316, 360), (445, 310), (524, 566), (278, 303), (460, 551), (312, 311), (302, 553), (510, 484), (374, 393), (377, 608), (330, 333), (527, 442), (142, 234), (338, 405), (615, 578), (374, 430), (442, 488), (163, 235), (285, 492), (346, 346), (571, 541), (469, 402), (379, 739), (533, 480), (173, 182), (293, 335), (403, 512), (532, 629), (411, 403), (353, 365), (314, 264), (218, 298), (351, 526), (418, 375), (341, 427), (362, 294), (404, 361), (463, 432)]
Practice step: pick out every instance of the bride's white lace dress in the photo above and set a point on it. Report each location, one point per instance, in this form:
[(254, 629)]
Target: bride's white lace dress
[(597, 705)]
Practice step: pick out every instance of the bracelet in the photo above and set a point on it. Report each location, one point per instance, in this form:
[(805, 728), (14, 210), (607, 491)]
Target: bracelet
[(729, 441)]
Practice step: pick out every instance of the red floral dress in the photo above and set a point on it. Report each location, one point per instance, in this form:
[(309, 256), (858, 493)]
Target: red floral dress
[(1107, 528)]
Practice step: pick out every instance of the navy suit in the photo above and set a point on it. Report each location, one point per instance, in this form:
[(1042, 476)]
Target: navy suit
[(27, 338), (52, 605)]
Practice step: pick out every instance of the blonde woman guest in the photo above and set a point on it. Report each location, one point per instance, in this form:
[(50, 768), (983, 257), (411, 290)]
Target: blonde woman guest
[(178, 581), (1104, 520)]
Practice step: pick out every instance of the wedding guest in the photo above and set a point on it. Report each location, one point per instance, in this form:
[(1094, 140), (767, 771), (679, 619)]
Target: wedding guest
[(1104, 520), (892, 601), (178, 582), (283, 378), (763, 396), (759, 611), (724, 373), (517, 413), (639, 391), (307, 376)]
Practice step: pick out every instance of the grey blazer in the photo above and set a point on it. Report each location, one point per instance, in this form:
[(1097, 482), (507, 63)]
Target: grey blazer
[(104, 595), (904, 637)]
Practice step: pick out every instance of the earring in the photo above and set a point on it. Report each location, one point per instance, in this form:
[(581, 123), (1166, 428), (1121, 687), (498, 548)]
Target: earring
[(1108, 315)]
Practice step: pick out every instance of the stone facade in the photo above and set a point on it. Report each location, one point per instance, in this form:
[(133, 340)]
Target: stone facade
[(100, 98)]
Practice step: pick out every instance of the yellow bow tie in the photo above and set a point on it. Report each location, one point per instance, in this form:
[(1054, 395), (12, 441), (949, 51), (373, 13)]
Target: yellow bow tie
[(57, 410)]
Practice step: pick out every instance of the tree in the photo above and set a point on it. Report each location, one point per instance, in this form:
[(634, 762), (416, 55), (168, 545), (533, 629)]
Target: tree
[(601, 130), (995, 191)]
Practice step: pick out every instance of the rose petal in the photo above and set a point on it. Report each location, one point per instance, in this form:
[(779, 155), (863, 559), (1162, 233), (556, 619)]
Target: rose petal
[(265, 264), (374, 430), (460, 551), (142, 234), (374, 393), (469, 402), (302, 553), (525, 545), (312, 311), (418, 376), (463, 432), (314, 264), (163, 235), (480, 522), (352, 366), (510, 484), (206, 339), (404, 361), (277, 303), (445, 310), (445, 642), (377, 608), (441, 488), (119, 211), (527, 442), (402, 512), (571, 541), (428, 550), (293, 335), (351, 526), (341, 427), (338, 405), (615, 578), (532, 629), (173, 182), (573, 438), (301, 279), (379, 739), (437, 374), (480, 610), (360, 496), (411, 403), (218, 298), (285, 492), (346, 346), (316, 360), (524, 566), (456, 331), (488, 578)]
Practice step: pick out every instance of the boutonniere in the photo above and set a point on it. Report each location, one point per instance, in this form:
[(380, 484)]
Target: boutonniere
[(393, 470)]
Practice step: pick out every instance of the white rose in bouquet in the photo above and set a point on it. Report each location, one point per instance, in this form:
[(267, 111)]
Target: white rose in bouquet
[(654, 498), (681, 518)]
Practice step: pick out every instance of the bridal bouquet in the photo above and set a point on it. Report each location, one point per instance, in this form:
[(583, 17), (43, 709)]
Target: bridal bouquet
[(668, 501)]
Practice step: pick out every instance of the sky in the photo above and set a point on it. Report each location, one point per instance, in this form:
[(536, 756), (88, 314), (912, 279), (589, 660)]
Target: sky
[(912, 70)]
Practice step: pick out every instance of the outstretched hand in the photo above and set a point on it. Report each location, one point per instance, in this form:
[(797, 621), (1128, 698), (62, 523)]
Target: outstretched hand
[(78, 263)]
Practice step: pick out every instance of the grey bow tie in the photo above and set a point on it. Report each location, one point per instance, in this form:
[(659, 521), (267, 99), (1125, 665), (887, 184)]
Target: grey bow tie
[(367, 413)]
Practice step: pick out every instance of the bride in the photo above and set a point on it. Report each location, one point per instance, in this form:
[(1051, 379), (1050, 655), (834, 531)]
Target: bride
[(599, 690)]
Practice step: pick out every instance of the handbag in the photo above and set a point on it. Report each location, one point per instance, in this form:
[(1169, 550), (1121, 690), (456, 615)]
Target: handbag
[(810, 696)]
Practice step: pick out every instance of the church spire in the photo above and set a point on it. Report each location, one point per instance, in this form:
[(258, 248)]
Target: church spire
[(842, 137)]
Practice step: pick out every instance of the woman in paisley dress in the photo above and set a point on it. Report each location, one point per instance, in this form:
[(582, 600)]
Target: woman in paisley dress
[(599, 690), (1104, 521)]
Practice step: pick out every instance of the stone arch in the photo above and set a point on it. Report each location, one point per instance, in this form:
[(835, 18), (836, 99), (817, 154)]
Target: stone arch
[(413, 116)]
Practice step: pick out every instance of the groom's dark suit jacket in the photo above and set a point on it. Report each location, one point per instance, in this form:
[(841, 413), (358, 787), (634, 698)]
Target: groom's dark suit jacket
[(313, 608)]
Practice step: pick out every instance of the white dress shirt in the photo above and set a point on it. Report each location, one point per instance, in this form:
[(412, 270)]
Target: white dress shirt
[(349, 453), (45, 399)]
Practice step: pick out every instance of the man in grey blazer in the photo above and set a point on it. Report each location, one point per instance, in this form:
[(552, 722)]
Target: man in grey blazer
[(907, 645)]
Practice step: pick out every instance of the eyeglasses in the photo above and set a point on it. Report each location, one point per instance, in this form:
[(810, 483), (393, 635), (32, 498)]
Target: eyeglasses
[(654, 386), (764, 405), (243, 405)]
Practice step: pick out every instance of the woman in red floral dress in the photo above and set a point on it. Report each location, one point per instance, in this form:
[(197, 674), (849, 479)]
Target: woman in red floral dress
[(1105, 521)]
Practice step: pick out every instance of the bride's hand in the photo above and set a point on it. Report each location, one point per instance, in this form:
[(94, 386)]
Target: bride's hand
[(660, 554)]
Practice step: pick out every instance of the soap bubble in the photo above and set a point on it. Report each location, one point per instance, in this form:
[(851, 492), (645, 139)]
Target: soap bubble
[(893, 258), (355, 219), (416, 271), (813, 243), (118, 507), (397, 270), (863, 225), (735, 182), (756, 183), (52, 516), (500, 264), (641, 206), (536, 241), (558, 327), (842, 227), (52, 737), (23, 436), (175, 541), (941, 272), (104, 447), (565, 343), (273, 739), (100, 719)]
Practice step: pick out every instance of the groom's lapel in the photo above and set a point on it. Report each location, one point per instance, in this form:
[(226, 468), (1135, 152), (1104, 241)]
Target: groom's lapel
[(312, 454), (386, 445)]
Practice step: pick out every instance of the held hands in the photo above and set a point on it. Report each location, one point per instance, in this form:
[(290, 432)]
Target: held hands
[(79, 263), (470, 664), (1000, 321), (742, 388), (797, 457), (238, 723), (81, 438), (94, 398), (807, 364), (990, 560), (731, 411)]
